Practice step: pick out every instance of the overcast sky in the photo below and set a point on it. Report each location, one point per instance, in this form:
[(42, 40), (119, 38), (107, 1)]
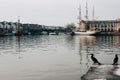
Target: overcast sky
[(55, 12)]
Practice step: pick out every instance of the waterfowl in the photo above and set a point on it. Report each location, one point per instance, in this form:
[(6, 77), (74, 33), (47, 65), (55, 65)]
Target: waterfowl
[(115, 61), (95, 60)]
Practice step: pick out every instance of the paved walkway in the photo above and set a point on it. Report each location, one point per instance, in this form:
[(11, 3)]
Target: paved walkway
[(102, 72)]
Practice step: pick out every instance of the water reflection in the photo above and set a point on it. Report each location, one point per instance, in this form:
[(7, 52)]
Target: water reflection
[(104, 48), (50, 57), (100, 45), (18, 49), (86, 45)]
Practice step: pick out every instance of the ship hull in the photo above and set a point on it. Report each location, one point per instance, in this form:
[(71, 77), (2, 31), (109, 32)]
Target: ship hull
[(85, 33)]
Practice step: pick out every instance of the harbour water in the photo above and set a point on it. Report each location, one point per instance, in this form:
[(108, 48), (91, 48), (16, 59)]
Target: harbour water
[(53, 57)]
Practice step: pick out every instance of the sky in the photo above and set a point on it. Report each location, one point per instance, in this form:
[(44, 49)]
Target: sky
[(56, 12)]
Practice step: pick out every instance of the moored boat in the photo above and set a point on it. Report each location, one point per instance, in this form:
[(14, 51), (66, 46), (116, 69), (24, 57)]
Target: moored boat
[(85, 33), (83, 25)]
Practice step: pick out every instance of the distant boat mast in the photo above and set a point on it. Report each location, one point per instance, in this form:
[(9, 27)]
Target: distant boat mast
[(80, 13), (86, 11), (93, 11), (18, 23), (18, 33), (93, 16), (86, 26)]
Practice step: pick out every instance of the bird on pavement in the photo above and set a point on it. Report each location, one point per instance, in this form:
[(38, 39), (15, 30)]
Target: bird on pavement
[(95, 60), (115, 61)]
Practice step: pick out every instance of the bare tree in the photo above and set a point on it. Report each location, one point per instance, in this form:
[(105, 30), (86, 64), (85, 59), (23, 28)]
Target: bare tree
[(70, 27)]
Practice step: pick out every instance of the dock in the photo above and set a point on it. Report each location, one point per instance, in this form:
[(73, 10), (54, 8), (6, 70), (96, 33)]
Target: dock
[(102, 72)]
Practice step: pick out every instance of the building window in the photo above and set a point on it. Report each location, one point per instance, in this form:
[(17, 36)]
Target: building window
[(105, 30), (112, 30), (111, 25), (102, 30)]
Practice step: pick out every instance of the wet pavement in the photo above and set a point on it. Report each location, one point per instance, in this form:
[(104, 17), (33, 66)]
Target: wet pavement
[(102, 72)]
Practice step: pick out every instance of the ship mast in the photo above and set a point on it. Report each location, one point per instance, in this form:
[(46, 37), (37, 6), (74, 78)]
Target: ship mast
[(80, 13), (93, 11), (18, 33), (86, 11), (18, 23), (86, 14), (93, 16)]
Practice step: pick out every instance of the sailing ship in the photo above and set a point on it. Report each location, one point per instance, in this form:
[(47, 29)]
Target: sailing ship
[(83, 29)]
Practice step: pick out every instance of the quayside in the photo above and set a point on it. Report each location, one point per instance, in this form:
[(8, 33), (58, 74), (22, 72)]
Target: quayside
[(102, 72)]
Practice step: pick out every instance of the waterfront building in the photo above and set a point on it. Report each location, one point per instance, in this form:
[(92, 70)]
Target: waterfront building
[(9, 28), (101, 25)]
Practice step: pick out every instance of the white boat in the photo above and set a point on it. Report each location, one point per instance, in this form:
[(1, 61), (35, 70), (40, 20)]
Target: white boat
[(85, 33)]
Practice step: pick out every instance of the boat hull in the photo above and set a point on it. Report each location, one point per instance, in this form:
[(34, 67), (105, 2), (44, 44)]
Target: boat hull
[(85, 33)]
